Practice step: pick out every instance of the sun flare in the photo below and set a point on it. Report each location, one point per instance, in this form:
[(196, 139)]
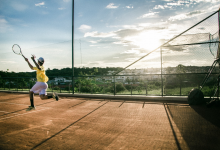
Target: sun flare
[(148, 40)]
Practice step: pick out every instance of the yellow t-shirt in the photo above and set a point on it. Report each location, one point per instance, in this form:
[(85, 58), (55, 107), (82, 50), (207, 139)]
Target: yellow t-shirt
[(41, 76)]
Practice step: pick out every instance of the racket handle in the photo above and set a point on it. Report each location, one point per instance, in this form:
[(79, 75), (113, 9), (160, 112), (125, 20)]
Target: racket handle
[(24, 57), (33, 55)]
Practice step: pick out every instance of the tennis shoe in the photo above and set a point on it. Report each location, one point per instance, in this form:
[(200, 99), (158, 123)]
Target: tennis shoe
[(30, 108), (55, 96)]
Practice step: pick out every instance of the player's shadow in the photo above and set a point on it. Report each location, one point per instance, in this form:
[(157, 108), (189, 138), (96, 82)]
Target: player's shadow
[(198, 125)]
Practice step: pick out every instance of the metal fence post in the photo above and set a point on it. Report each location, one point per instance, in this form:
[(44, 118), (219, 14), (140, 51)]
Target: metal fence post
[(114, 87), (132, 85), (17, 84), (161, 69), (146, 88), (73, 79), (91, 89), (180, 85), (22, 86), (52, 87)]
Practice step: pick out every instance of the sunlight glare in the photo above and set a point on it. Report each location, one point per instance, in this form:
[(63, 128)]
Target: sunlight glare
[(148, 40)]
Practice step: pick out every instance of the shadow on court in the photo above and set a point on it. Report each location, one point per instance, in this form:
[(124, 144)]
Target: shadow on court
[(85, 123), (199, 126)]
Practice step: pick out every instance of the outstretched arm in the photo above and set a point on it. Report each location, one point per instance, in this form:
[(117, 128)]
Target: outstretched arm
[(38, 67), (29, 63)]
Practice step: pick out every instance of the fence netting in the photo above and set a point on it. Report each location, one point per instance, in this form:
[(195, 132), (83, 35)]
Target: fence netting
[(179, 65), (173, 68)]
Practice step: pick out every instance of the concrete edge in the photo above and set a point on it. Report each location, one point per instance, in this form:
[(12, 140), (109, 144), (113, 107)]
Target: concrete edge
[(118, 97), (163, 99)]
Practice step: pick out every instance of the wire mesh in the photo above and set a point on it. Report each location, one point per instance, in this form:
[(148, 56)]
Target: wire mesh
[(171, 69)]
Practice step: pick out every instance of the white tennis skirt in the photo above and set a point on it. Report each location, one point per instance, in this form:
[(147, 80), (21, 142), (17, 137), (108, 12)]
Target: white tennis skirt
[(40, 87)]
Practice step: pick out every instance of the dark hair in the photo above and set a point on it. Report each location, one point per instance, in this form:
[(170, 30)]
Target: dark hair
[(41, 63)]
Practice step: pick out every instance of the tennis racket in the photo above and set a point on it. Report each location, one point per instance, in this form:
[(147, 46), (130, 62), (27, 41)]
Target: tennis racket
[(17, 50)]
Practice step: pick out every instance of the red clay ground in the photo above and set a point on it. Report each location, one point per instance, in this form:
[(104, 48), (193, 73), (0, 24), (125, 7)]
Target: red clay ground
[(83, 123)]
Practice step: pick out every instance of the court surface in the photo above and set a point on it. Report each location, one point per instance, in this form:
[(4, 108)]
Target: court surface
[(105, 124)]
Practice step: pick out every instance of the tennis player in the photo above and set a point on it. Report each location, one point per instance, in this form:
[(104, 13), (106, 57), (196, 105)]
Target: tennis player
[(41, 84)]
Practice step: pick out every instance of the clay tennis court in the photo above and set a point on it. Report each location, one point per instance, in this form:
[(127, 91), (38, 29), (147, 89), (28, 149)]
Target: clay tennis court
[(89, 123)]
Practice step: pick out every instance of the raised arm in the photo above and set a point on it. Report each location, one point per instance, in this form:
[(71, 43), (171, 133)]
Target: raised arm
[(33, 58), (29, 64)]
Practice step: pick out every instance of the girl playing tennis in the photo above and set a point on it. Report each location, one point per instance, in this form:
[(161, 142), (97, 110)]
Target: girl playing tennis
[(41, 84)]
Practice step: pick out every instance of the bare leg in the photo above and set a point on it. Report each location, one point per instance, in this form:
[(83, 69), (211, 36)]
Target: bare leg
[(31, 94)]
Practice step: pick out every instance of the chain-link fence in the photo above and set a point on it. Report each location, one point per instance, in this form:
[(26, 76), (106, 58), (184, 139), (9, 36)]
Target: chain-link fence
[(172, 69)]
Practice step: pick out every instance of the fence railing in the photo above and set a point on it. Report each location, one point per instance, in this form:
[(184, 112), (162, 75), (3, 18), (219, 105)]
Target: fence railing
[(145, 84)]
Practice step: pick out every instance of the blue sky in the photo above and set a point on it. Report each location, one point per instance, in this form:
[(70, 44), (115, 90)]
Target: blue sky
[(107, 33)]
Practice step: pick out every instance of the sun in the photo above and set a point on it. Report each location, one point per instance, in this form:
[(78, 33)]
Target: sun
[(148, 40)]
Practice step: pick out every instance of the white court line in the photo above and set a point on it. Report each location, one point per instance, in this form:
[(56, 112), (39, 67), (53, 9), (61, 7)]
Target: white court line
[(25, 104), (32, 111), (14, 103), (6, 112), (16, 132)]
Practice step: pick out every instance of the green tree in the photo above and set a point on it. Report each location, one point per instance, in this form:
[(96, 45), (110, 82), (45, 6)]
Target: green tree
[(181, 68), (85, 84), (119, 87), (128, 80)]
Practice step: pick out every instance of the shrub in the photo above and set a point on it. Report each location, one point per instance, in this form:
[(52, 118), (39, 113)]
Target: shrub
[(207, 91), (120, 87), (56, 88)]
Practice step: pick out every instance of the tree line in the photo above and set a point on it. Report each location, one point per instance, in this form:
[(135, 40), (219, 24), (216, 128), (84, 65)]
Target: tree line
[(63, 72)]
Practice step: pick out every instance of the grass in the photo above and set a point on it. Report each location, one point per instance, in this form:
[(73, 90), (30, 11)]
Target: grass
[(176, 91)]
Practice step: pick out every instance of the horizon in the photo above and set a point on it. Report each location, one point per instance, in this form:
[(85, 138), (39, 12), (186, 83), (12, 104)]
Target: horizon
[(101, 68)]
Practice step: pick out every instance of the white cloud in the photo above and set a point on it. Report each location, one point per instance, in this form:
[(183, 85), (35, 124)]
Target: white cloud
[(131, 59), (61, 8), (216, 7), (40, 4), (133, 51), (158, 7), (178, 3), (120, 42), (186, 15), (129, 26), (116, 37), (124, 26), (101, 34), (3, 25), (8, 62), (148, 15), (93, 42), (129, 7), (84, 28), (198, 1), (111, 6)]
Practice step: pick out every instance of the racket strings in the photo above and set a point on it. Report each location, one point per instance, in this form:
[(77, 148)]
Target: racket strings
[(16, 49)]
